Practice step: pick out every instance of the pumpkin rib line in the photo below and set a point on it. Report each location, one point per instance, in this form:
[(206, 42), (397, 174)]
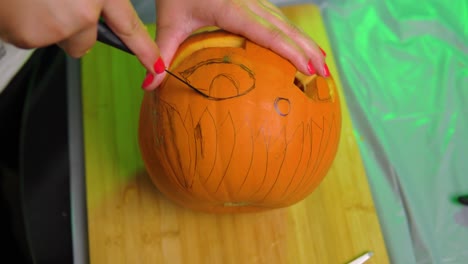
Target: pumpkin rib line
[(319, 161), (277, 174), (326, 145), (178, 181), (316, 162), (229, 117), (216, 143), (179, 158), (192, 162), (210, 194), (309, 161), (267, 145), (252, 147), (297, 168), (204, 181)]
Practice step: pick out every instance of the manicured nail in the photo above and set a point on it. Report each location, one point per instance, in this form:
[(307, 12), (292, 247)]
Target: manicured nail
[(326, 71), (159, 66), (323, 52), (311, 68), (148, 80)]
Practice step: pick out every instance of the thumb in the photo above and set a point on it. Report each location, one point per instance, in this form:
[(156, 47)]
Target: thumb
[(168, 38)]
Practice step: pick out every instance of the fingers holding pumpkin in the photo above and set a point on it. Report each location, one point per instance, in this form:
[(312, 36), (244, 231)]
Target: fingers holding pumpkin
[(265, 24), (315, 54), (258, 20), (169, 37)]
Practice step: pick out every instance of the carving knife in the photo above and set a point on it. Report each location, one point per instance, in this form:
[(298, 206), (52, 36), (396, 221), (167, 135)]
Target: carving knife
[(107, 36)]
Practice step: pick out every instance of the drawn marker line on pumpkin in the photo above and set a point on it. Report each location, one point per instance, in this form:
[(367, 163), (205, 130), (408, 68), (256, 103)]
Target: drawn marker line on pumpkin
[(262, 185), (199, 91), (277, 171), (321, 154), (165, 148), (311, 167), (298, 130), (309, 160), (247, 173), (203, 68), (260, 136), (174, 125), (188, 119), (266, 142), (274, 183), (322, 147), (228, 123), (188, 84), (205, 119), (278, 107), (315, 166)]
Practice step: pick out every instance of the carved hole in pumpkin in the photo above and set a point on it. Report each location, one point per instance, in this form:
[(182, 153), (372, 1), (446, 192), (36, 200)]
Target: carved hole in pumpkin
[(215, 42), (299, 84), (315, 87), (323, 89), (306, 84)]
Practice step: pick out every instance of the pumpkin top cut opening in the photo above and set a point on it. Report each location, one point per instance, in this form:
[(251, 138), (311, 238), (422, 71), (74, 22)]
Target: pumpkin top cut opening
[(313, 86)]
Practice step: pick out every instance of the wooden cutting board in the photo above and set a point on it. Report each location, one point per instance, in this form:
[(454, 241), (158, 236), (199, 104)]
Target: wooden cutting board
[(131, 222)]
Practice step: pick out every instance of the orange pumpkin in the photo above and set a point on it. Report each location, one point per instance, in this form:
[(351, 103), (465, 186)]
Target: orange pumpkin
[(251, 134)]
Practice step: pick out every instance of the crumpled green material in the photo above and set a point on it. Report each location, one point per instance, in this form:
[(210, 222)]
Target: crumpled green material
[(404, 68)]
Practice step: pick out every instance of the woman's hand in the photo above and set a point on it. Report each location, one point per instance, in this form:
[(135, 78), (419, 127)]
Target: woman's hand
[(73, 25), (258, 20)]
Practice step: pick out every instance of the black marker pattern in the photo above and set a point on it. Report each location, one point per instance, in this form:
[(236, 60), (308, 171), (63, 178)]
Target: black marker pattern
[(193, 159), (211, 90), (207, 162)]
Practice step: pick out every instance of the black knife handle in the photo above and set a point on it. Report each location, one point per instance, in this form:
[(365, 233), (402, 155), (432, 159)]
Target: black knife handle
[(463, 199), (107, 36)]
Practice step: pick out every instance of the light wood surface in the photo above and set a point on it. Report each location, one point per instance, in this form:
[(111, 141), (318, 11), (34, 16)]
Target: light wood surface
[(131, 222)]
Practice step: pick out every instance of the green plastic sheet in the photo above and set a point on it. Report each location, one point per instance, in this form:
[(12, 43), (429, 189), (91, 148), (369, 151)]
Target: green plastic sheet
[(404, 66)]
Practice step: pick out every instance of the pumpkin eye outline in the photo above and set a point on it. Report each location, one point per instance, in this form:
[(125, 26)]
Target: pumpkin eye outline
[(207, 91)]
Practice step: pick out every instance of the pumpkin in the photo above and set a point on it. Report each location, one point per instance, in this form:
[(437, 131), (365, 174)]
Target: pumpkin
[(248, 133)]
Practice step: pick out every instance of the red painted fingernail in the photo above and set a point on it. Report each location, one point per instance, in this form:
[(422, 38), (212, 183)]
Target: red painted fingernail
[(311, 68), (323, 52), (148, 80), (326, 70), (159, 66)]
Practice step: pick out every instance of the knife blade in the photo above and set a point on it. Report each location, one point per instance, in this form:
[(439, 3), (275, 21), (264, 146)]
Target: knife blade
[(363, 258)]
